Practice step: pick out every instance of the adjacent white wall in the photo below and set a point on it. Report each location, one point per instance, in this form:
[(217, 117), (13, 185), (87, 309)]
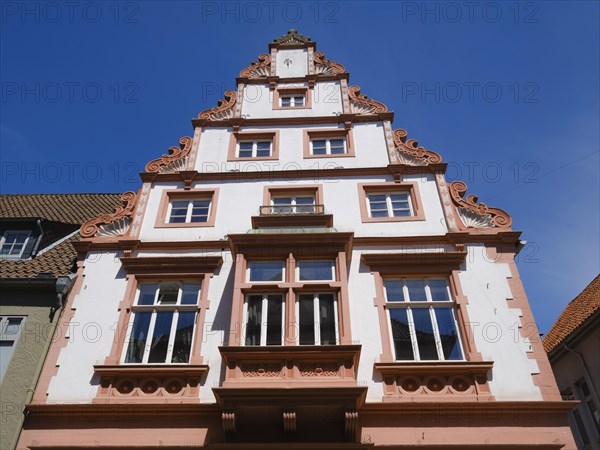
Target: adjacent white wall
[(291, 63)]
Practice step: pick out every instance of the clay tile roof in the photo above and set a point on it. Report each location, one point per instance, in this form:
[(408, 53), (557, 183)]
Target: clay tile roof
[(65, 208), (574, 315), (70, 209)]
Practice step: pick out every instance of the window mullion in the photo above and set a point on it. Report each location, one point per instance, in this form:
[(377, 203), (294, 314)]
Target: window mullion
[(335, 318), (172, 336), (388, 203), (149, 338), (413, 334), (317, 320), (436, 333), (244, 322), (283, 309), (263, 319)]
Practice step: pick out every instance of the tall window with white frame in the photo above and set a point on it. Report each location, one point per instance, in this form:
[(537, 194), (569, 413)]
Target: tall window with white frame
[(10, 329), (389, 204), (189, 211), (293, 204), (163, 323), (422, 320)]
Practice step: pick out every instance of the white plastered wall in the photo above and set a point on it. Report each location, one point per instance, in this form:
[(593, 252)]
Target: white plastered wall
[(291, 63), (495, 326), (91, 331)]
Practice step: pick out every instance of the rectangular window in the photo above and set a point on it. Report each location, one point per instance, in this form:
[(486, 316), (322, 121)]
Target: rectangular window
[(300, 204), (13, 243), (318, 270), (254, 149), (422, 322), (163, 322), (389, 204), (588, 406), (328, 146), (189, 211), (265, 271), (317, 319), (10, 329), (264, 319), (292, 101)]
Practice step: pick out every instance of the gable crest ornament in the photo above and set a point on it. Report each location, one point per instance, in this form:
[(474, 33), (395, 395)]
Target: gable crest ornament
[(224, 109), (476, 215), (409, 151), (292, 38), (258, 69), (115, 224), (361, 104), (175, 161)]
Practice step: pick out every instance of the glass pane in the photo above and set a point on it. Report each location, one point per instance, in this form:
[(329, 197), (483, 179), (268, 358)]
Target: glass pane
[(319, 146), (160, 338), (190, 294), (315, 270), (183, 337), (439, 290), (580, 427), (200, 210), (137, 340), (401, 212), (424, 332), (393, 290), (253, 323), (266, 271), (337, 146), (305, 205), (401, 334), (307, 319), (147, 293), (263, 148), (274, 325), (594, 413), (327, 319), (416, 290), (178, 211), (585, 391), (286, 101), (245, 150), (12, 328), (298, 101), (281, 205), (168, 294), (448, 333)]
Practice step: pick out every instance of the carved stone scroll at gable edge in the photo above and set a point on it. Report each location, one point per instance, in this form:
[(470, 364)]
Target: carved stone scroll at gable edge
[(324, 66), (224, 109), (258, 69), (477, 215), (361, 104), (174, 161), (115, 224), (411, 152)]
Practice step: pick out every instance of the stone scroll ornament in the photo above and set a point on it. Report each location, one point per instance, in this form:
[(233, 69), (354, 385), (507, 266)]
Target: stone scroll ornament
[(224, 109), (324, 66), (476, 215), (292, 38), (174, 161), (115, 224), (411, 153), (258, 69), (361, 104)]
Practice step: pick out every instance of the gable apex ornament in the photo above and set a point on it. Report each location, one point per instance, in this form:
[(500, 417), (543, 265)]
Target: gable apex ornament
[(174, 161), (409, 151), (224, 109), (476, 215), (115, 224), (292, 38), (361, 104)]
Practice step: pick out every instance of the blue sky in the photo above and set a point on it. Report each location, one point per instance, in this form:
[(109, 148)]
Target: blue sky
[(507, 92)]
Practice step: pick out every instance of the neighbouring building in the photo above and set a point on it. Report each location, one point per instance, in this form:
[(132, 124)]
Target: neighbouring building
[(573, 346), (297, 275), (37, 262)]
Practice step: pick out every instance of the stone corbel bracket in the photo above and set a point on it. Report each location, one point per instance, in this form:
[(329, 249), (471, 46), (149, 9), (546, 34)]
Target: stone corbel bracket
[(411, 153), (476, 215), (224, 109), (324, 66), (174, 161), (115, 224), (361, 104), (258, 69)]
